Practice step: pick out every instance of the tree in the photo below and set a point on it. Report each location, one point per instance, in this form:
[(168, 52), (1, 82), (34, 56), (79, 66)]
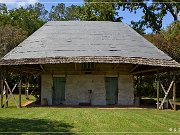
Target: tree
[(16, 25), (100, 10), (168, 40), (4, 17), (73, 12), (28, 20), (10, 37), (63, 13), (91, 10), (153, 12), (57, 13), (40, 10)]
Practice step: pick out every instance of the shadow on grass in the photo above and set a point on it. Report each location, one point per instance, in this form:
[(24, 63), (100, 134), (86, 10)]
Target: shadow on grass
[(33, 125)]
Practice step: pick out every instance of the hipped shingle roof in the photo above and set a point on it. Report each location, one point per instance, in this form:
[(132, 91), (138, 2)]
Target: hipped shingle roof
[(87, 41)]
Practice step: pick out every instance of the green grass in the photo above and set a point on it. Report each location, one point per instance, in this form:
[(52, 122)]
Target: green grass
[(75, 120)]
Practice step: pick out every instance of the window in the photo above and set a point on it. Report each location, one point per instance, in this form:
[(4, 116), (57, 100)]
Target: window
[(88, 66)]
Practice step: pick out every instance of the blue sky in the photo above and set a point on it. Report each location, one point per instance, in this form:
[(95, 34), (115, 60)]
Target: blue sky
[(127, 16)]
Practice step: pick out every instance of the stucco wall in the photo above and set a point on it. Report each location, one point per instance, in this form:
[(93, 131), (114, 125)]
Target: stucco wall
[(46, 87), (126, 90), (77, 86)]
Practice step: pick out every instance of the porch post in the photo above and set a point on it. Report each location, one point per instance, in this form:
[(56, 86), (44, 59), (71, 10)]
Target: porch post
[(6, 89), (174, 95), (1, 89), (140, 88), (158, 89), (137, 92), (20, 92)]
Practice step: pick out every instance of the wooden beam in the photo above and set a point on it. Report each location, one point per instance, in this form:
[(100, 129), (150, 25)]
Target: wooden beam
[(146, 71), (20, 92), (172, 106), (167, 92), (27, 89), (6, 95), (163, 88), (42, 68), (137, 89), (75, 66), (158, 89), (10, 95), (140, 87), (116, 66), (134, 68), (174, 95), (1, 89)]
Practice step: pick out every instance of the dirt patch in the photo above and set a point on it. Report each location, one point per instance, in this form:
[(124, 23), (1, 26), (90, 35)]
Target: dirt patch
[(26, 103)]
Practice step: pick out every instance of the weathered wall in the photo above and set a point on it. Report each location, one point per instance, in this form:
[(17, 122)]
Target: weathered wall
[(126, 90), (77, 87), (46, 87)]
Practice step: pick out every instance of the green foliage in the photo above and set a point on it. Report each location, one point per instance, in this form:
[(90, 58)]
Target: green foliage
[(10, 37), (95, 10), (40, 10), (28, 19), (91, 10), (153, 12), (25, 19), (63, 13), (17, 24), (168, 40), (73, 12), (172, 32)]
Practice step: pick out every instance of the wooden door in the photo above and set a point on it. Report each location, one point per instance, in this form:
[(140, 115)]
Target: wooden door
[(58, 90), (111, 90)]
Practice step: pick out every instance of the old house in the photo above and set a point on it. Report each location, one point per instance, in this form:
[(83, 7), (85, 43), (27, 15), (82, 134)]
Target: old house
[(85, 62)]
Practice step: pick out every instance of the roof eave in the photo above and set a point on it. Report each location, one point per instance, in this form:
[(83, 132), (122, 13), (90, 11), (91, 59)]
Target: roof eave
[(95, 59)]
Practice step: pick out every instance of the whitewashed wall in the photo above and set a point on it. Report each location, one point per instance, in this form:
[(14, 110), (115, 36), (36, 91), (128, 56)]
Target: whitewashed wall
[(46, 87), (77, 86), (125, 90)]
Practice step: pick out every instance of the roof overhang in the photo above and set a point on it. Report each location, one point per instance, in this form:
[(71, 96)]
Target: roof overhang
[(95, 59)]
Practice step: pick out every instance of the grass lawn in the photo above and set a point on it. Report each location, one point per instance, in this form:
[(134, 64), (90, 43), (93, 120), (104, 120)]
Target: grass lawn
[(44, 119), (76, 120)]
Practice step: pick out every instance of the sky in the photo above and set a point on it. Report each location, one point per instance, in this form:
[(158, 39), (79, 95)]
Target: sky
[(127, 16)]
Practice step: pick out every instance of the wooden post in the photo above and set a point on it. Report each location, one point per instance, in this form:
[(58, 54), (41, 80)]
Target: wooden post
[(137, 92), (20, 92), (174, 95), (140, 88), (1, 89), (6, 95), (158, 89), (27, 92)]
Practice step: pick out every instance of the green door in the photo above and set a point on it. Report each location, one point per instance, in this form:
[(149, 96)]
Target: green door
[(111, 90), (58, 90)]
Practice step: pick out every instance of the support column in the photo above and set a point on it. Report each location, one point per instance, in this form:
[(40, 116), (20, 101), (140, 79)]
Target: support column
[(174, 95), (6, 95), (158, 89), (1, 89), (20, 92), (27, 91)]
